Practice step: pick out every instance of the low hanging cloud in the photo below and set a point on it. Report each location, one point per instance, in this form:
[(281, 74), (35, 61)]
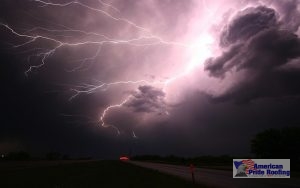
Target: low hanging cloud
[(259, 46), (147, 99)]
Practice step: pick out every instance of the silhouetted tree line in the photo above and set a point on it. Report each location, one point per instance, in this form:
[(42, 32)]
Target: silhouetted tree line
[(57, 156), (25, 156), (206, 160), (18, 156), (270, 144), (278, 144)]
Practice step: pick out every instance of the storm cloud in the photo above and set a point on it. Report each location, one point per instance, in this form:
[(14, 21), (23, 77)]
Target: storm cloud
[(172, 77), (257, 45), (147, 99)]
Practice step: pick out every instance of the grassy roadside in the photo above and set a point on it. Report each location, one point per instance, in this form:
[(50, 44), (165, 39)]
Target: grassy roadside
[(88, 174)]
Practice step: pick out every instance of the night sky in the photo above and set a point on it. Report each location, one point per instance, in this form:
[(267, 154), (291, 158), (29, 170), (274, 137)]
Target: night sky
[(110, 77)]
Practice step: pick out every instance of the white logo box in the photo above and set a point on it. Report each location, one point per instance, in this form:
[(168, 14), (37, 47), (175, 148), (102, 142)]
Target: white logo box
[(261, 168)]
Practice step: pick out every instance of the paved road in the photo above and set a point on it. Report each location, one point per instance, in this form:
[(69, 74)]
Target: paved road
[(219, 178)]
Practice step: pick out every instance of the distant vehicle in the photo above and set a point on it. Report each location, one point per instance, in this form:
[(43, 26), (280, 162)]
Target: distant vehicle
[(124, 158)]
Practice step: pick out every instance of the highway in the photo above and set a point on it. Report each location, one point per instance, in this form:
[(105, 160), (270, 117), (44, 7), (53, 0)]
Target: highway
[(219, 178)]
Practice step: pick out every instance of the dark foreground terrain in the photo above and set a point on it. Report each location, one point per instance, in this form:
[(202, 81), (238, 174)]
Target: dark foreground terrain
[(59, 174), (220, 178)]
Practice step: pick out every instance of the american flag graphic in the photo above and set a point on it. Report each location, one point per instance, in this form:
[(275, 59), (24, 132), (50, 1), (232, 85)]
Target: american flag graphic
[(249, 163)]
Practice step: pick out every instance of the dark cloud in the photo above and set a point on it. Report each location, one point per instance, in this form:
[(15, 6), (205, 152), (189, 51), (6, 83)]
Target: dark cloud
[(147, 99), (257, 48), (260, 52), (289, 14), (218, 66), (248, 23)]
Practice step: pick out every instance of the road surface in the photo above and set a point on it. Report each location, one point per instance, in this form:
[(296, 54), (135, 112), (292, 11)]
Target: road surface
[(219, 178)]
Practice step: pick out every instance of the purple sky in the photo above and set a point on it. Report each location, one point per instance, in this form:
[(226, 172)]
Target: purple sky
[(104, 77)]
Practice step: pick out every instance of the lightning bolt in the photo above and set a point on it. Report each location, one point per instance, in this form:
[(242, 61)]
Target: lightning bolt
[(102, 117), (52, 35), (44, 3), (140, 41), (134, 135), (109, 5), (88, 88)]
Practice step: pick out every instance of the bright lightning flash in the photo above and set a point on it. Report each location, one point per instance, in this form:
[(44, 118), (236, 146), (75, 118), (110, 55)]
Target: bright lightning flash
[(199, 50)]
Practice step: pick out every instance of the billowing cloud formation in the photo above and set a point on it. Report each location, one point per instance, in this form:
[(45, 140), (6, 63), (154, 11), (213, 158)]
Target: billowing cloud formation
[(256, 47), (248, 23), (290, 14), (147, 99), (259, 60)]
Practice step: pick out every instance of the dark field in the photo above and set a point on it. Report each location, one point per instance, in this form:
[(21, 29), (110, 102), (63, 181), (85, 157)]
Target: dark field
[(83, 174)]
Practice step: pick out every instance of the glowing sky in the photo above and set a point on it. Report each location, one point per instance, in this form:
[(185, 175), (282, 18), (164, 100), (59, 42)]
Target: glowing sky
[(168, 76)]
